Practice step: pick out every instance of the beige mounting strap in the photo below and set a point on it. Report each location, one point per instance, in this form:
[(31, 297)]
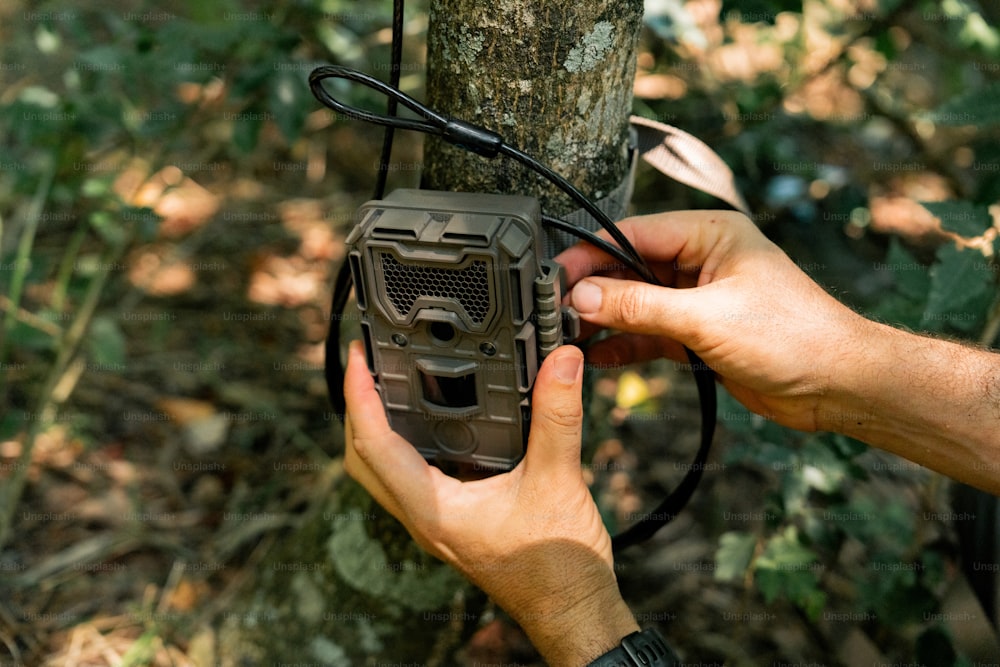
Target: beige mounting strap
[(688, 160), (671, 151)]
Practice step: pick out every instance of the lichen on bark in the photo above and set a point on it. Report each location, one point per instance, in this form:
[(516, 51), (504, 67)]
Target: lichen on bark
[(554, 78), (346, 586)]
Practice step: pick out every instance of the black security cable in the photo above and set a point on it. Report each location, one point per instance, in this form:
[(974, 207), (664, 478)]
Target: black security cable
[(670, 507), (590, 237), (477, 139), (396, 58)]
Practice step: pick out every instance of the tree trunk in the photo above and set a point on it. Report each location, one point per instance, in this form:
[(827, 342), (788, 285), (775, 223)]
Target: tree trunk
[(554, 78), (348, 586)]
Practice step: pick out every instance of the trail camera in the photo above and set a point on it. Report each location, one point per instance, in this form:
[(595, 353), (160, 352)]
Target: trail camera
[(458, 308)]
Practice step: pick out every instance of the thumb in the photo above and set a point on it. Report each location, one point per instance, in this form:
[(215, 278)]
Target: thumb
[(637, 307), (556, 413)]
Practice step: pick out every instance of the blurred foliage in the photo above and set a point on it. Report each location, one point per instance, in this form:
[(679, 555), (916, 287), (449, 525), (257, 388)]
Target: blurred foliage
[(97, 104), (143, 131), (839, 118)]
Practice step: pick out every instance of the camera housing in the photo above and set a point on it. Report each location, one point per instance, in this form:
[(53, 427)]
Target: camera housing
[(458, 308)]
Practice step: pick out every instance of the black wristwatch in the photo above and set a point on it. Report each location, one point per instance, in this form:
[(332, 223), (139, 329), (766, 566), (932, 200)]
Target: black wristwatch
[(640, 649)]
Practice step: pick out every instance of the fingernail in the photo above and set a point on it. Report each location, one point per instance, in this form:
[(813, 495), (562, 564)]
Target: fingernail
[(568, 367), (586, 297)]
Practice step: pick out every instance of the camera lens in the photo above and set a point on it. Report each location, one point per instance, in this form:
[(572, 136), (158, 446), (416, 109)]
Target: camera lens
[(442, 331)]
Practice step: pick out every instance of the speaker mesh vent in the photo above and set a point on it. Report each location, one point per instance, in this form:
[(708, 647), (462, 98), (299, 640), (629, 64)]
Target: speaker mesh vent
[(469, 286)]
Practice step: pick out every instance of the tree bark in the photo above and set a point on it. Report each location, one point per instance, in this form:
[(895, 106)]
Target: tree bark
[(554, 78), (348, 586)]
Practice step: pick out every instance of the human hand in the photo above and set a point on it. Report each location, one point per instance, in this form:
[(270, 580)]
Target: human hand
[(775, 338), (531, 538)]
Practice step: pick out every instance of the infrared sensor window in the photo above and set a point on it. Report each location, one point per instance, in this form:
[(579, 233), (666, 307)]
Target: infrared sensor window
[(450, 392)]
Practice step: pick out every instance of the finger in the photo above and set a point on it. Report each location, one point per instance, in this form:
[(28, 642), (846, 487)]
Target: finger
[(636, 307), (556, 416), (683, 238), (365, 476), (393, 462), (586, 259), (362, 401), (357, 385)]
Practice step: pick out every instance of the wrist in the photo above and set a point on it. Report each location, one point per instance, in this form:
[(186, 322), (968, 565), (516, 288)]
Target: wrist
[(571, 636)]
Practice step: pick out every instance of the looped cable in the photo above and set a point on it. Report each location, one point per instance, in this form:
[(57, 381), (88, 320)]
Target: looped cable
[(435, 121), (471, 137), (465, 135)]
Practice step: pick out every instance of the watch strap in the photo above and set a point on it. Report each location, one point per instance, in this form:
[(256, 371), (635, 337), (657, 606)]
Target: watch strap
[(639, 649)]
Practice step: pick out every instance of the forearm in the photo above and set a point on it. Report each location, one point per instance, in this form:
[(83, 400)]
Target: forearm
[(934, 402)]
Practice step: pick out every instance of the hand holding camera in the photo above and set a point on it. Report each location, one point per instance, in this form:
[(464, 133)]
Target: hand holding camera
[(532, 538), (458, 308)]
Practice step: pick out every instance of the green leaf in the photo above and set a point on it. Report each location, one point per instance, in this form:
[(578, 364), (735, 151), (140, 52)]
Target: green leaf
[(754, 427), (756, 11), (858, 518), (11, 423), (733, 555), (962, 284), (96, 187), (246, 129), (896, 525), (822, 469), (787, 568), (977, 32), (362, 563), (785, 552), (101, 59), (895, 595), (106, 342), (108, 226), (288, 103), (22, 336), (338, 39), (47, 40), (39, 96), (846, 447), (912, 278), (935, 569), (886, 45), (979, 107), (962, 217), (800, 587), (142, 651), (905, 304)]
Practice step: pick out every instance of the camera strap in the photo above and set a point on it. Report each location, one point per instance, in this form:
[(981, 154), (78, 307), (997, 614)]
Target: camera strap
[(688, 160)]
